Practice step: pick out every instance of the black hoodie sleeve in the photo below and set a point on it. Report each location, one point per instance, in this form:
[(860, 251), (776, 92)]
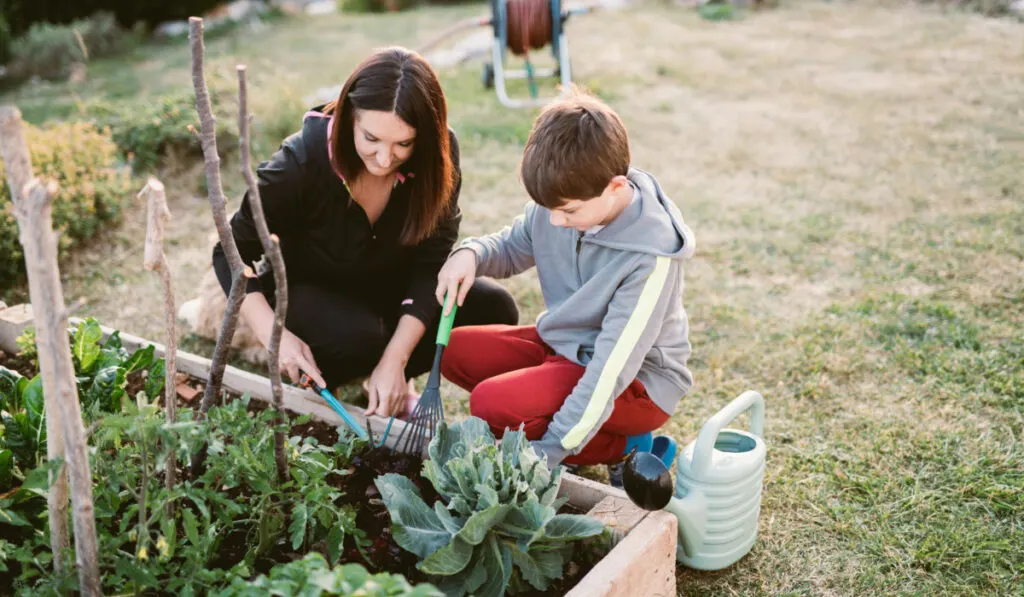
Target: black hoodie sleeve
[(280, 184), (431, 254)]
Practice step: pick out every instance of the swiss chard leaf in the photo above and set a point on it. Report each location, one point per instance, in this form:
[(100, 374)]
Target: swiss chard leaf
[(12, 385), (155, 378), (6, 469), (141, 359), (113, 340), (107, 388), (86, 347), (109, 358), (32, 400)]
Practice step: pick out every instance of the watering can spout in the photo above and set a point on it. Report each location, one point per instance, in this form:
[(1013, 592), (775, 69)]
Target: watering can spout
[(692, 513)]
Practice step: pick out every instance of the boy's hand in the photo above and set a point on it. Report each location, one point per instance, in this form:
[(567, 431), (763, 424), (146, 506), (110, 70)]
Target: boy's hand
[(456, 278)]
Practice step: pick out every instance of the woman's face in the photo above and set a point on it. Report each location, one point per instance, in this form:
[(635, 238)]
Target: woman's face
[(383, 140)]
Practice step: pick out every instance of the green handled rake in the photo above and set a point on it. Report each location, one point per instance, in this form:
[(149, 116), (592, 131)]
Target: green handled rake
[(429, 410)]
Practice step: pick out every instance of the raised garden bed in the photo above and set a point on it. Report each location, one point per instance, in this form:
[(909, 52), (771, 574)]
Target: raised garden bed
[(641, 563)]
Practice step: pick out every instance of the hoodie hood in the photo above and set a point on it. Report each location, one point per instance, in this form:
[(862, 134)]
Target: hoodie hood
[(652, 225)]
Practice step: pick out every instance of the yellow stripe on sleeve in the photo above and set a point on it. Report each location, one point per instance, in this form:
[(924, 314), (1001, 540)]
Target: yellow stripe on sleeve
[(624, 346)]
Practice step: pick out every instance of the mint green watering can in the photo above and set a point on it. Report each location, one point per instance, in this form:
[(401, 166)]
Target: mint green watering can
[(718, 487)]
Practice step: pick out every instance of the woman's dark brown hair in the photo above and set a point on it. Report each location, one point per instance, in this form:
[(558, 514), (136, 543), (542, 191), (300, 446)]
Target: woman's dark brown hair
[(398, 80)]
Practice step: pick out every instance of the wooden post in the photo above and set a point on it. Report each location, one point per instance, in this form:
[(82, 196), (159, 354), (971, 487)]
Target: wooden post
[(35, 230), (239, 272), (272, 248), (155, 260), (18, 164)]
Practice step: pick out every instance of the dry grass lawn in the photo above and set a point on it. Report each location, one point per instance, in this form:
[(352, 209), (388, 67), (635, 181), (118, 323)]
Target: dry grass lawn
[(853, 175)]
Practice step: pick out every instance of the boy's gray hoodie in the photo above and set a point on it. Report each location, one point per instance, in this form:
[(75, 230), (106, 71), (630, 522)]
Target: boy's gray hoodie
[(613, 301)]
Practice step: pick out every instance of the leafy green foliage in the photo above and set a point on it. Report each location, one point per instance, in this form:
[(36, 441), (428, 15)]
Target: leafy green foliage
[(360, 6), (23, 439), (27, 346), (497, 526), (233, 521), (227, 523), (82, 160), (49, 51), (312, 577), (152, 129), (101, 373)]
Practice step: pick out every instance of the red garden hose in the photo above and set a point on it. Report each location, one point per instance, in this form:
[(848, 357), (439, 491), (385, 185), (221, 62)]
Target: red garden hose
[(529, 25)]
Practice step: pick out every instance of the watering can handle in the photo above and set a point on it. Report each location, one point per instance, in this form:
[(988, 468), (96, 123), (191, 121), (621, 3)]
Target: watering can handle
[(705, 445)]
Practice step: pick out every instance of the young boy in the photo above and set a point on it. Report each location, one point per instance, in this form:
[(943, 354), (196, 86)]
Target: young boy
[(605, 364)]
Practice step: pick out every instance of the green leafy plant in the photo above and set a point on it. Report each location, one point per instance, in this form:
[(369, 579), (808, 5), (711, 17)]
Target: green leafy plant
[(229, 520), (313, 577), (27, 346), (149, 130), (23, 438), (102, 370), (49, 51), (496, 527), (102, 374), (375, 6)]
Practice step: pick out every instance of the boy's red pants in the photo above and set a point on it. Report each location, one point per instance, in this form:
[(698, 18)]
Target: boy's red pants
[(513, 377)]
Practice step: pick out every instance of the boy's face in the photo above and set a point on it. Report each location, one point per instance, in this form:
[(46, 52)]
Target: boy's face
[(581, 214)]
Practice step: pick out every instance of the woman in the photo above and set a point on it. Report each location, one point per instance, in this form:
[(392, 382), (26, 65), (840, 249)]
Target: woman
[(364, 200)]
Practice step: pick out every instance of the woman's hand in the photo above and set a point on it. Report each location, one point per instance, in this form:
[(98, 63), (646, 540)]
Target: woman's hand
[(294, 354), (456, 278), (296, 358), (387, 388)]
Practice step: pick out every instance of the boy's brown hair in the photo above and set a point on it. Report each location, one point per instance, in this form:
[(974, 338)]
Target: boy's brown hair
[(577, 145)]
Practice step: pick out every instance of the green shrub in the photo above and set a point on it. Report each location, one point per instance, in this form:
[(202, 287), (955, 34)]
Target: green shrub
[(50, 51), (147, 131), (82, 160), (375, 5)]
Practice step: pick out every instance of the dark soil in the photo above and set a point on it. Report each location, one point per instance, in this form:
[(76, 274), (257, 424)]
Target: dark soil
[(18, 363)]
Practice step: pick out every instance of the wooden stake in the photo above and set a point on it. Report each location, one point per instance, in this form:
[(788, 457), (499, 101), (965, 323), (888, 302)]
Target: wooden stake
[(35, 228), (239, 273), (156, 261), (272, 248), (18, 164)]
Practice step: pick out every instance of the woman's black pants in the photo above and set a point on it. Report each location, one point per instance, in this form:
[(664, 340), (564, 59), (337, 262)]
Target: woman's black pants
[(348, 334)]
